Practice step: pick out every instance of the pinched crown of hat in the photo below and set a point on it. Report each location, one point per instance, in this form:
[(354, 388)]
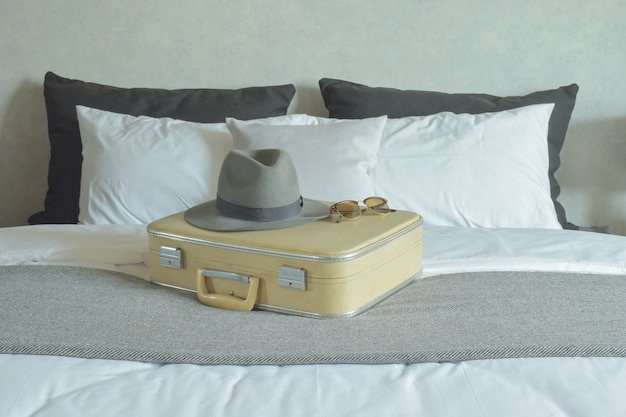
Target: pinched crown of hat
[(256, 190), (259, 185)]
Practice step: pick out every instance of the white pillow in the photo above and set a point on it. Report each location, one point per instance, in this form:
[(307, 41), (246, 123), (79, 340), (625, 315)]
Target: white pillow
[(484, 170), (139, 169), (333, 159)]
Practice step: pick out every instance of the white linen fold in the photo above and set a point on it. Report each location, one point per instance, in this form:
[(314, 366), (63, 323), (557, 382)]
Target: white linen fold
[(121, 248), (464, 249)]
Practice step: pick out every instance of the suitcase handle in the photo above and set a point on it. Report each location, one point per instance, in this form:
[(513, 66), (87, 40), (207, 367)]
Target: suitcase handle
[(228, 302)]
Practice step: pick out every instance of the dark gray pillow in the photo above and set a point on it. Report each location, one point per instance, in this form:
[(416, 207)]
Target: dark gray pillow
[(348, 100), (194, 105)]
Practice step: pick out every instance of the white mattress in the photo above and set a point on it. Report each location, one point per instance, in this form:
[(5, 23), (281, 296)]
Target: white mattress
[(62, 386)]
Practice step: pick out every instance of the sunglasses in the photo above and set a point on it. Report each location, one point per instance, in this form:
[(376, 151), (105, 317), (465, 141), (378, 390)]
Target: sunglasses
[(350, 209)]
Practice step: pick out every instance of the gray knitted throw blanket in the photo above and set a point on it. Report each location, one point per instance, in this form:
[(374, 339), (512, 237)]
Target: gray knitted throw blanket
[(70, 311)]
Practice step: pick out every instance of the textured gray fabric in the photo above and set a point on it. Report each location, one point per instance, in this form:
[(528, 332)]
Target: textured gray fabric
[(71, 311)]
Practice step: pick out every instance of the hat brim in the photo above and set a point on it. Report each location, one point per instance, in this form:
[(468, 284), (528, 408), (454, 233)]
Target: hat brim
[(207, 216)]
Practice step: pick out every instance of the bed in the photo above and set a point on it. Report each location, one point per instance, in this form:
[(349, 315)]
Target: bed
[(517, 312)]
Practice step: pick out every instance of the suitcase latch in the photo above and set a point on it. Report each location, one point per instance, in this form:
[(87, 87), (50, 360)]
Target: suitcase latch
[(291, 277), (171, 257)]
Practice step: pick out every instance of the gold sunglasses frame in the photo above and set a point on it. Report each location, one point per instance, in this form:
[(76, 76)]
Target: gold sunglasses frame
[(357, 208)]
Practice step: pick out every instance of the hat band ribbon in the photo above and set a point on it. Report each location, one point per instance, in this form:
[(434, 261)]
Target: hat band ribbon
[(268, 214)]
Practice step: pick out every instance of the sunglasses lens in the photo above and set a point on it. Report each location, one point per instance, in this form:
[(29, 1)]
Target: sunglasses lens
[(377, 204), (348, 209)]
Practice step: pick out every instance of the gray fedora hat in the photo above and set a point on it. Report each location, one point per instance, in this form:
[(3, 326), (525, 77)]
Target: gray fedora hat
[(256, 190)]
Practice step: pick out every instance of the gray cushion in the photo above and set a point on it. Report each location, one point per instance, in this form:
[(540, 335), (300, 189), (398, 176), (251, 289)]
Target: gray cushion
[(195, 105), (348, 100)]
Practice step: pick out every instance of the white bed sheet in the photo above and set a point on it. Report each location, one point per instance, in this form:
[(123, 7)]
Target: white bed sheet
[(53, 386), (446, 249), (71, 387)]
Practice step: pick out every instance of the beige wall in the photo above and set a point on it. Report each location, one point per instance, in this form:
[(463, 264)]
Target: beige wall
[(495, 46)]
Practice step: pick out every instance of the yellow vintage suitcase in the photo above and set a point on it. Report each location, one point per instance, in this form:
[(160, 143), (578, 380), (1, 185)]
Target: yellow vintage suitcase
[(322, 269)]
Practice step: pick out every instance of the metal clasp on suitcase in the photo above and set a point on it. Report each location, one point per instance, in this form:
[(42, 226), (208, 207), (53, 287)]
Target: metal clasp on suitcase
[(292, 277), (171, 257), (226, 301)]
